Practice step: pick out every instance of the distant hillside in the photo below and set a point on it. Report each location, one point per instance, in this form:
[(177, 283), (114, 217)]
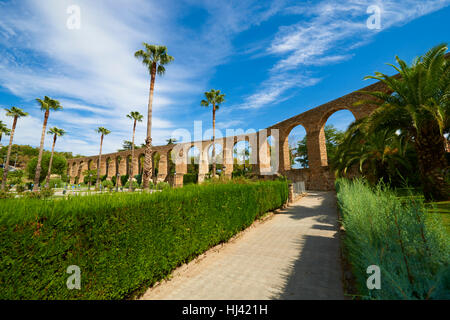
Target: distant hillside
[(25, 153)]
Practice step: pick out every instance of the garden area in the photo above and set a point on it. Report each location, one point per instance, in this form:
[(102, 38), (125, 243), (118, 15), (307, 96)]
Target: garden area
[(123, 243)]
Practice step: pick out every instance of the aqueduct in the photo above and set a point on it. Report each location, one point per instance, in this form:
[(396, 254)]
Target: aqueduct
[(317, 177)]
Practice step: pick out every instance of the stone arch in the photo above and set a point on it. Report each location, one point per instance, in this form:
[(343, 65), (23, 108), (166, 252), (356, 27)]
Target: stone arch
[(285, 153), (156, 156)]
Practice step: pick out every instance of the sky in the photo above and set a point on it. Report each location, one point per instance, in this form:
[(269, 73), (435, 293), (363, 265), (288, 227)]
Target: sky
[(272, 60)]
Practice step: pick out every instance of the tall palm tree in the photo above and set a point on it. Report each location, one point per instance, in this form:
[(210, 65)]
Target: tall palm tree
[(16, 113), (3, 130), (215, 99), (136, 117), (419, 106), (104, 132), (154, 58), (46, 105), (171, 141), (56, 132)]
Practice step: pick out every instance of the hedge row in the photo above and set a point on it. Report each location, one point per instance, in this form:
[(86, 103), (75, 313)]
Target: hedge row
[(123, 243), (410, 246)]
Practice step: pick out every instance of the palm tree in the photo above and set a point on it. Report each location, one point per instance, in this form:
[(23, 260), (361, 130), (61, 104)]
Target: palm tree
[(419, 106), (16, 113), (171, 141), (213, 98), (3, 130), (103, 132), (56, 132), (136, 117), (46, 105), (154, 58)]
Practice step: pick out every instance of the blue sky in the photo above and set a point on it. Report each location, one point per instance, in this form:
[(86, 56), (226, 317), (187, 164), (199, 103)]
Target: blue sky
[(272, 59)]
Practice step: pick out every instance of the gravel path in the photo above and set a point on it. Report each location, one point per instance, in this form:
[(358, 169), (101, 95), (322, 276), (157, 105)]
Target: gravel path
[(293, 255)]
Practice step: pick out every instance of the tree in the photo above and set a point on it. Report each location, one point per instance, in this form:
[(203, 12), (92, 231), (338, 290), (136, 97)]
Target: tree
[(56, 132), (387, 155), (419, 106), (214, 99), (136, 117), (103, 132), (171, 141), (16, 113), (4, 130), (154, 58), (46, 105), (59, 165)]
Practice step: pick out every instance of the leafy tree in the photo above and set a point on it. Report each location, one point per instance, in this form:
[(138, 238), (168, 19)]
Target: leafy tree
[(419, 106), (213, 98), (103, 132), (16, 113), (136, 117), (46, 105), (59, 165), (154, 58), (56, 132)]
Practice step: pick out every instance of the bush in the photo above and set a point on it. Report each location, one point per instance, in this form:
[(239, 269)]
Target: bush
[(58, 182), (43, 194), (411, 248), (108, 184), (135, 185), (124, 179), (162, 186), (20, 188), (190, 178), (123, 243)]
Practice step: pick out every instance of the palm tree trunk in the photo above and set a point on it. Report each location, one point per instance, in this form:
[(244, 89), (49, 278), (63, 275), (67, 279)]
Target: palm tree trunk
[(214, 142), (132, 158), (430, 148), (50, 163), (41, 150), (6, 164), (99, 163), (148, 141)]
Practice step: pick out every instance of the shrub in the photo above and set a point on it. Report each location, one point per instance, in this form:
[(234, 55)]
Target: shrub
[(20, 188), (58, 182), (123, 243), (411, 248), (190, 178), (135, 185), (162, 186), (108, 184), (124, 179)]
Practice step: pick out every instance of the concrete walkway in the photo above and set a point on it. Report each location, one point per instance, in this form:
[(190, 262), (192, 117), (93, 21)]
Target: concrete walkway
[(294, 255)]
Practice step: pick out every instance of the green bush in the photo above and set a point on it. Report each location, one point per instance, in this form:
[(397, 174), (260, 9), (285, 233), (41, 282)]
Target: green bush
[(123, 243), (20, 188), (162, 185), (135, 185), (190, 178), (409, 245), (124, 179), (108, 184), (58, 182)]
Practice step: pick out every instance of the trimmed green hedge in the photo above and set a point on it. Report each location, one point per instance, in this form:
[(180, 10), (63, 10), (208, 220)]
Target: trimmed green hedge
[(123, 243), (409, 244)]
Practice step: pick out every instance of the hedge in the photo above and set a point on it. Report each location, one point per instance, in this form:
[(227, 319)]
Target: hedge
[(410, 245), (123, 243)]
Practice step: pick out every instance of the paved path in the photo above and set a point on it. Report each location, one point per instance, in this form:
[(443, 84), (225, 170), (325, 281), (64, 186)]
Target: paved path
[(294, 255)]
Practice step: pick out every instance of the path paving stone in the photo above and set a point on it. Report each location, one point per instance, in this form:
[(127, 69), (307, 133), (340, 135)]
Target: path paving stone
[(294, 255)]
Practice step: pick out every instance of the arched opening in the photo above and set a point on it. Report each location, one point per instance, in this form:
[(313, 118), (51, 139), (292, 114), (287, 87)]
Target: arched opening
[(335, 127), (141, 158), (298, 151), (218, 157), (193, 158), (241, 158), (156, 156), (107, 165)]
